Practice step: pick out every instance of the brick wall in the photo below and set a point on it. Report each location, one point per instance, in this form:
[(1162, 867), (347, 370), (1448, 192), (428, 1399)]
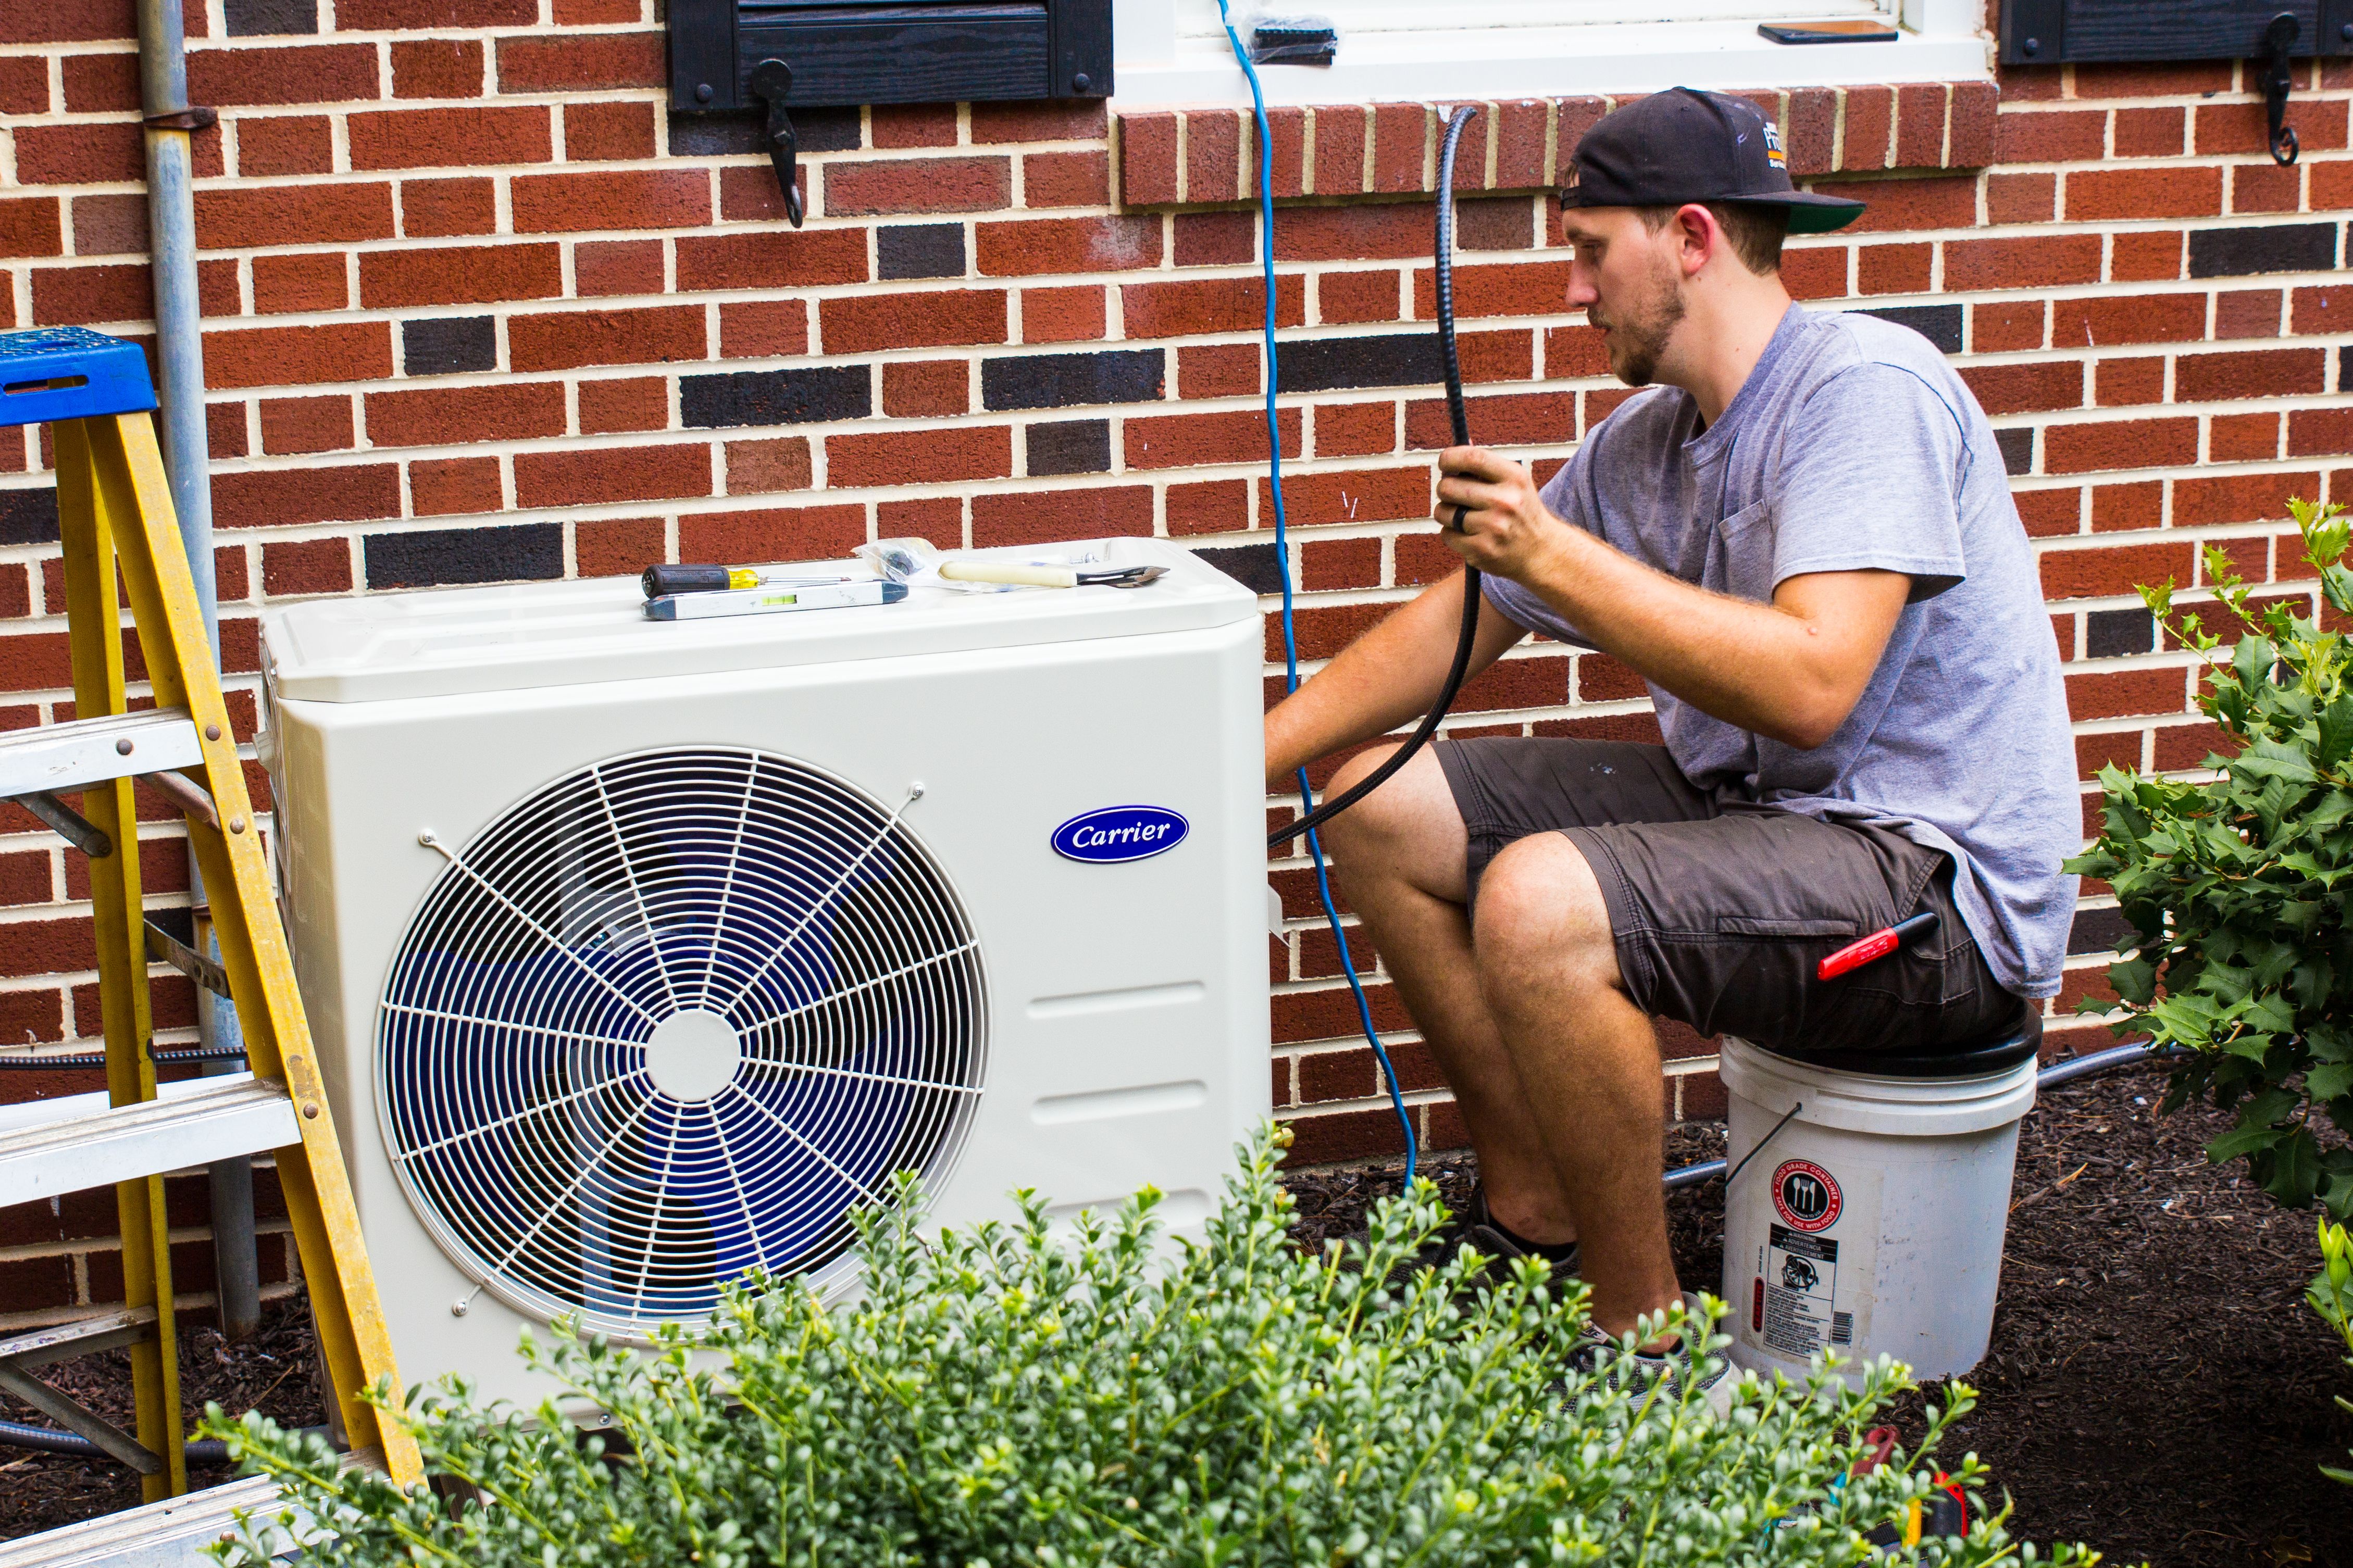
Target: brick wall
[(480, 308)]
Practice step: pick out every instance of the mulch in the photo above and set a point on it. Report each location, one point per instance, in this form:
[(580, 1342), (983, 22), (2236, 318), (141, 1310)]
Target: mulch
[(2156, 1385)]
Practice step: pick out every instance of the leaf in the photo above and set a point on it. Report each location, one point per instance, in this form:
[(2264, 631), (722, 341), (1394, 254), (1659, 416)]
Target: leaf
[(2241, 1140), (2296, 1169), (2328, 1080), (2336, 732), (2134, 981)]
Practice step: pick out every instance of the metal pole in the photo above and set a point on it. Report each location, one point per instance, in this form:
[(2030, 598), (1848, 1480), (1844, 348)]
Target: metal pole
[(180, 354)]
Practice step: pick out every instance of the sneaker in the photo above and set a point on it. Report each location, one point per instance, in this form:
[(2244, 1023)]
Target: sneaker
[(1474, 1227), (1712, 1377)]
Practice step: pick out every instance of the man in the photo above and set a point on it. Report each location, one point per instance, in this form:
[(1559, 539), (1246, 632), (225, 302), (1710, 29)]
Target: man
[(1803, 540)]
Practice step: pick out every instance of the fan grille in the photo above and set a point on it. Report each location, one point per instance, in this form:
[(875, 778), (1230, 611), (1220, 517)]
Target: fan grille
[(669, 1019)]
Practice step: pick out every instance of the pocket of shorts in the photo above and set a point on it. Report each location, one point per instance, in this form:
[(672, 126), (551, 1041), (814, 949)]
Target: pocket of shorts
[(1753, 925)]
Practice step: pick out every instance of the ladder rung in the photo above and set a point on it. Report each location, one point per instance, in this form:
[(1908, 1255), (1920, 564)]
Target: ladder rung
[(195, 1128), (84, 751), (173, 1533), (81, 1337)]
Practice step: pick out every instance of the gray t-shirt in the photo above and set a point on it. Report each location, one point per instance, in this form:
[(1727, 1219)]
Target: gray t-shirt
[(1854, 446)]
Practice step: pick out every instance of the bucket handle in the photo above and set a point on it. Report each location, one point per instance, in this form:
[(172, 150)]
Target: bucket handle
[(1759, 1147)]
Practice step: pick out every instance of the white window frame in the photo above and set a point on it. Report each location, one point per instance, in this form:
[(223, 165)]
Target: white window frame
[(1166, 52)]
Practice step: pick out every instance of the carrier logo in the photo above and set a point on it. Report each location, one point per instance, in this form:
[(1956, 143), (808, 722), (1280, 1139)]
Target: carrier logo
[(1806, 1195), (1119, 833)]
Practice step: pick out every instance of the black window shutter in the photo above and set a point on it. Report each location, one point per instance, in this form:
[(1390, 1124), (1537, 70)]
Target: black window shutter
[(2048, 32), (875, 51)]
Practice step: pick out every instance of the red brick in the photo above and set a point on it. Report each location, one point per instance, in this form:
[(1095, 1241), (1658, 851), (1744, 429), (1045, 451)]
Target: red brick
[(1970, 136), (796, 534), (1518, 288), (2152, 132), (1335, 563), (2022, 198), (616, 547), (83, 296), (1893, 268), (2113, 748), (591, 12), (610, 198), (2135, 505), (292, 215), (79, 154), (1192, 306), (290, 356), (631, 404), (2138, 80), (2125, 691), (1870, 129), (1069, 513), (901, 125), (2113, 570), (763, 328), (476, 134), (576, 62), (1063, 245), (279, 498), (1288, 162), (1219, 370), (1898, 204), (1813, 272), (2332, 183), (749, 194), (1066, 179), (601, 131), (2242, 437), (2253, 373), (2006, 325), (459, 485), (782, 259), (899, 457), (1512, 419), (437, 209), (1063, 315), (1355, 430), (2120, 382), (2126, 444), (24, 85), (1920, 125), (2046, 513), (1067, 119), (306, 424), (2319, 432), (437, 67), (2180, 746), (1402, 139), (1213, 155), (1497, 356), (936, 318), (2044, 261), (459, 275), (298, 73), (1521, 129), (1148, 171), (1340, 136), (2247, 313), (225, 436), (1218, 506), (763, 467), (2026, 388), (939, 519), (597, 476), (32, 227), (1325, 630), (37, 1284), (1377, 233), (454, 416), (976, 184), (285, 144), (567, 340), (1364, 495), (2138, 318), (306, 566), (2098, 195), (2328, 309), (603, 268), (2265, 188), (397, 15), (1351, 297), (1183, 440), (2238, 498), (1217, 238), (2222, 128), (926, 389)]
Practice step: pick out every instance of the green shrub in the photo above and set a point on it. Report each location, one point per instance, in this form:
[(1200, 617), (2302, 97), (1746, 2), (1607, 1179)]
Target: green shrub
[(2330, 1294), (2238, 947), (1013, 1396)]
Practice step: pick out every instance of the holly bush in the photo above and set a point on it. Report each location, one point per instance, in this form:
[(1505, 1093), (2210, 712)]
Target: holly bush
[(2238, 949), (1042, 1396), (2330, 1294)]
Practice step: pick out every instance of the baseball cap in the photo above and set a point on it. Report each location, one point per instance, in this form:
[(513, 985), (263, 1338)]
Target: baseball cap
[(1684, 145)]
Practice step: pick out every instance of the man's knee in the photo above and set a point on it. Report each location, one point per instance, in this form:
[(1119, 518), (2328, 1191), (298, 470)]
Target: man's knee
[(1393, 810), (1540, 919)]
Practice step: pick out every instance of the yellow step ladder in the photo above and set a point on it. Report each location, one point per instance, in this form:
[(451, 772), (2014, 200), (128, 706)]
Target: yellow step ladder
[(114, 513)]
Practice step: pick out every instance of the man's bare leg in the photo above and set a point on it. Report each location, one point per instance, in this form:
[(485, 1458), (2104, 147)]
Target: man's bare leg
[(1588, 1061), (1400, 857)]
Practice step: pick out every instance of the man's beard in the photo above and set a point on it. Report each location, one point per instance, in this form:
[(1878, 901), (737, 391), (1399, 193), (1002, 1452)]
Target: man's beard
[(1635, 342)]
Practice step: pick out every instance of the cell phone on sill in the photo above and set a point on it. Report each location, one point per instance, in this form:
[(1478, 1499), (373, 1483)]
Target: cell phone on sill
[(1858, 30)]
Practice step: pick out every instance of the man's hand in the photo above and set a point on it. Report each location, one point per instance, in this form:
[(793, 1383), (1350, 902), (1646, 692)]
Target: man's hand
[(1505, 527)]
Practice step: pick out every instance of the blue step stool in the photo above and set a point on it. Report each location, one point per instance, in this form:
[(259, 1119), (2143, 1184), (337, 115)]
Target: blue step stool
[(71, 373)]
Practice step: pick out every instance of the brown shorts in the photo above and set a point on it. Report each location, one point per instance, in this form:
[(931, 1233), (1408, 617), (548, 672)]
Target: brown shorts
[(1721, 908)]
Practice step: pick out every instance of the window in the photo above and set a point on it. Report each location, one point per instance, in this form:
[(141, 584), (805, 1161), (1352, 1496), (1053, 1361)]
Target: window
[(1173, 51)]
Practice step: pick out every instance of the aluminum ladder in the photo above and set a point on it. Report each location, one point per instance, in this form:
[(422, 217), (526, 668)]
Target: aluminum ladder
[(114, 512)]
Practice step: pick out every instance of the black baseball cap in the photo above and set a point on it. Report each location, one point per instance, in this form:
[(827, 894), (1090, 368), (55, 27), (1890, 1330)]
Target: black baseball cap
[(1684, 145)]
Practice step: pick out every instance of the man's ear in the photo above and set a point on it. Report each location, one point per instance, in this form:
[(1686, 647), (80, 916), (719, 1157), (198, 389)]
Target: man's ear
[(1699, 238)]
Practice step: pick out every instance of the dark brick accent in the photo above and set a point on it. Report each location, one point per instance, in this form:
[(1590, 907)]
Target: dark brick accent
[(450, 345), (1069, 381), (2096, 931), (716, 135), (2274, 248), (436, 556), (2344, 368), (261, 19), (1940, 324), (1253, 565), (1071, 447), (2110, 634), (29, 517), (776, 397), (1391, 359), (920, 250), (2017, 449)]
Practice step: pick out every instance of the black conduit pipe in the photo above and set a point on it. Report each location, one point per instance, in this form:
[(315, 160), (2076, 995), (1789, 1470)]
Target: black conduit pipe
[(44, 1439)]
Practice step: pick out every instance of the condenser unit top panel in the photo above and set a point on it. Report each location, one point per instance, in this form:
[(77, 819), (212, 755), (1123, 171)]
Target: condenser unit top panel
[(450, 641)]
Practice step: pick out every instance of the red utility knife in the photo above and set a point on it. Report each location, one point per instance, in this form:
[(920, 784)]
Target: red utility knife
[(1875, 946)]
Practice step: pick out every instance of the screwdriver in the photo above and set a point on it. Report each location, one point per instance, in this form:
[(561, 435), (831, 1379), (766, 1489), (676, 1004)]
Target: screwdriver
[(1875, 946), (661, 581)]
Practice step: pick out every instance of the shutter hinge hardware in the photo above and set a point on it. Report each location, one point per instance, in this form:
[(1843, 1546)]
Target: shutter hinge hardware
[(182, 120), (772, 82), (2278, 39)]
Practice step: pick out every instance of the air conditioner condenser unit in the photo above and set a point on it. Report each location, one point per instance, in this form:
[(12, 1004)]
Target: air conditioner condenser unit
[(638, 953)]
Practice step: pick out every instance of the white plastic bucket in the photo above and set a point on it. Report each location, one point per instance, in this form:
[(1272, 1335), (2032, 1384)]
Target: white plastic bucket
[(1872, 1220)]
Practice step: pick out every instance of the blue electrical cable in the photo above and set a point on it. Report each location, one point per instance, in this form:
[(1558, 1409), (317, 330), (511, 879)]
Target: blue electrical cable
[(1283, 566)]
